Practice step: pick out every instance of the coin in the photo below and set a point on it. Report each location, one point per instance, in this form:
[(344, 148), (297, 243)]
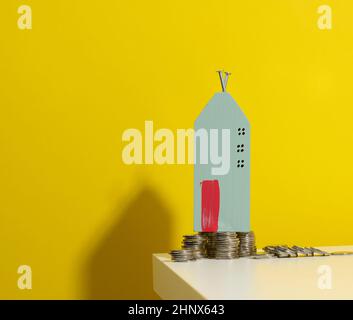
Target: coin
[(196, 243), (181, 255), (222, 245), (247, 246), (341, 253), (262, 255)]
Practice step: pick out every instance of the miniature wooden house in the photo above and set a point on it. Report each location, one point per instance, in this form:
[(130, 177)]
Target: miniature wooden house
[(222, 198)]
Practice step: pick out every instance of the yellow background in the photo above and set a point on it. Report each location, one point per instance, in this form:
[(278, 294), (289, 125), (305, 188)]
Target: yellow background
[(85, 222)]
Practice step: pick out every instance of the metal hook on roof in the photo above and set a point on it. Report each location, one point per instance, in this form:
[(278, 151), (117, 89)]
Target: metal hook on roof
[(223, 79)]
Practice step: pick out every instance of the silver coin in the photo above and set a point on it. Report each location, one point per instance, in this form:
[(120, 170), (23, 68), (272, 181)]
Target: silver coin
[(247, 246), (196, 244), (222, 245)]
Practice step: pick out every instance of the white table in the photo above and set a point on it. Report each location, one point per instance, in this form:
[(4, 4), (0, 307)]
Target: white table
[(245, 278)]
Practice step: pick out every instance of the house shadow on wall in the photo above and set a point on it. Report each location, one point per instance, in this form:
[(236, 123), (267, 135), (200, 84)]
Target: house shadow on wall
[(121, 266)]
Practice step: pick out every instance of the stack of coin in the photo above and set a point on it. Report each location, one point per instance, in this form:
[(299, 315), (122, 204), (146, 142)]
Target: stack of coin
[(182, 255), (196, 243), (222, 245), (247, 245)]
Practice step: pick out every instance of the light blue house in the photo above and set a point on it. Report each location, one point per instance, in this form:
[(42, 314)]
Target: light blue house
[(222, 187)]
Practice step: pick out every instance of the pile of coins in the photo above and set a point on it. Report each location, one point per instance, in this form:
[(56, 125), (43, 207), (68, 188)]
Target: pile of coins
[(284, 251), (222, 245), (247, 245), (215, 245), (182, 255), (196, 243), (232, 245)]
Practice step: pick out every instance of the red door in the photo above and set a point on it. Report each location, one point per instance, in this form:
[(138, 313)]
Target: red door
[(210, 195)]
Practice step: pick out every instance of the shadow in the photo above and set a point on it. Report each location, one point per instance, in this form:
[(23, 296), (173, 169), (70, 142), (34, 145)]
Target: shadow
[(121, 266)]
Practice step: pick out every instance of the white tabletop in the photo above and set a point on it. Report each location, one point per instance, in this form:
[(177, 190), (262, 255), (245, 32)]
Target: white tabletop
[(328, 277)]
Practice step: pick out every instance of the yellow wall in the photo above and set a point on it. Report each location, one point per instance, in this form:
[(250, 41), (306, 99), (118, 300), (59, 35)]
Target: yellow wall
[(88, 70)]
